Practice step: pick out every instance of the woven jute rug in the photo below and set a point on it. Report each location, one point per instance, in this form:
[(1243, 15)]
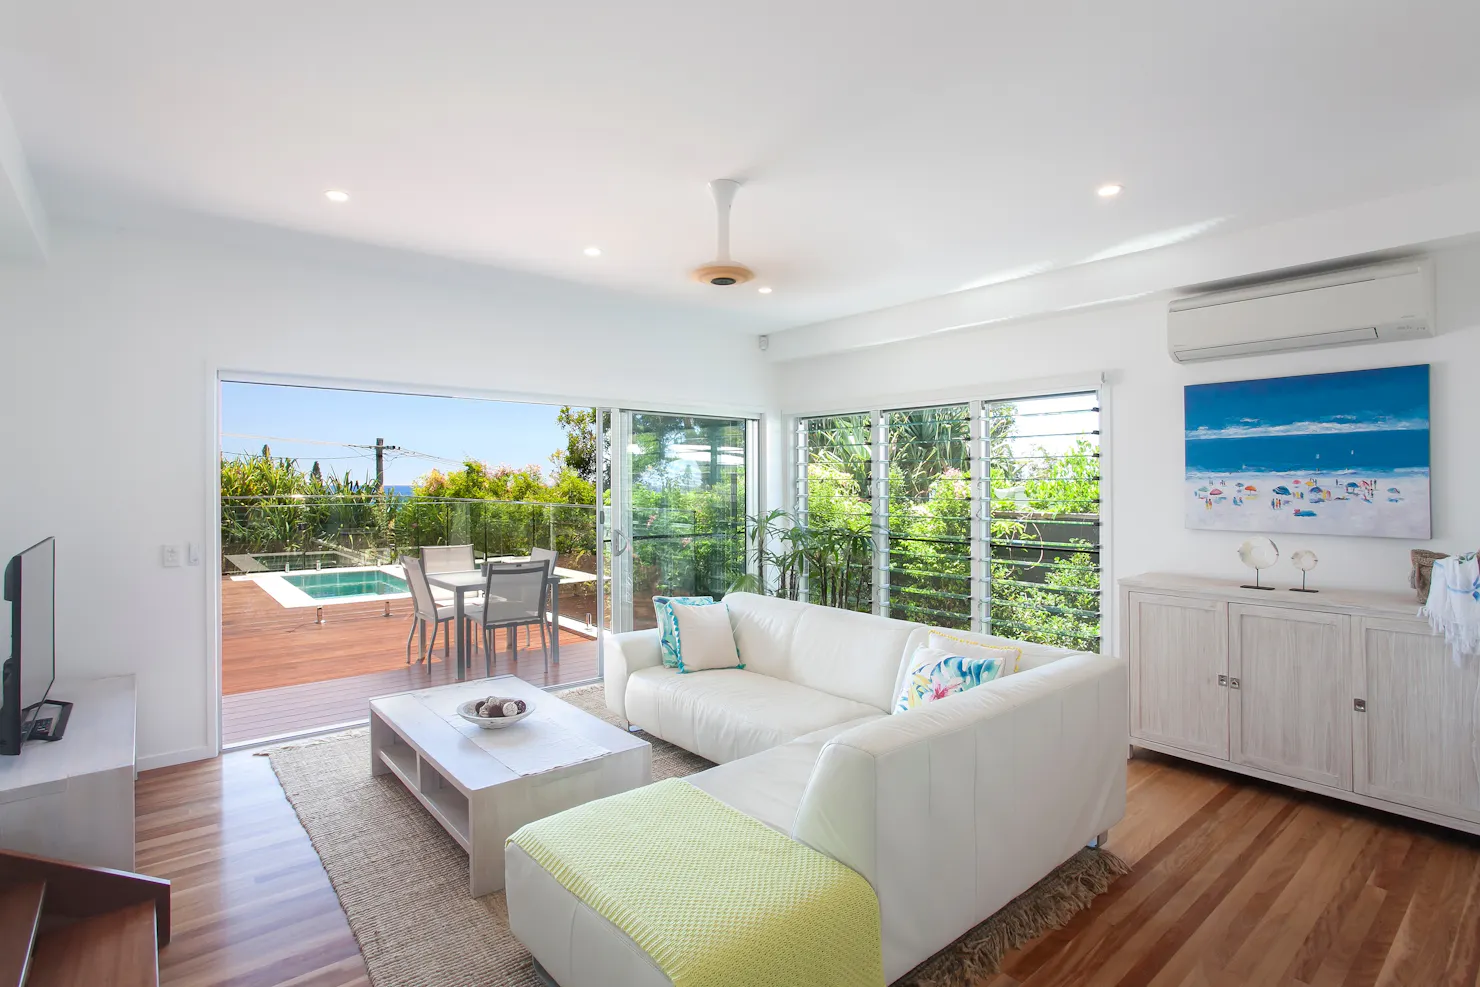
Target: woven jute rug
[(403, 881)]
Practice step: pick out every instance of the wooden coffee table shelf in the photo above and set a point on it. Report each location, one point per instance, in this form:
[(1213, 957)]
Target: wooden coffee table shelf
[(481, 786)]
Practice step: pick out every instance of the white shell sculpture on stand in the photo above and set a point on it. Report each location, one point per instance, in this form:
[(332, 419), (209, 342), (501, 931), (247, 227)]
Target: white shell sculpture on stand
[(1258, 553), (1305, 560)]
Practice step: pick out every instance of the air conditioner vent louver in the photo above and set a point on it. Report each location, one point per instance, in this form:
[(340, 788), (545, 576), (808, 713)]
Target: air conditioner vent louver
[(1365, 305)]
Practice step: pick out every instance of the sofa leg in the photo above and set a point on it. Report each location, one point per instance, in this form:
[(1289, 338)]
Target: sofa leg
[(542, 975), (1101, 839)]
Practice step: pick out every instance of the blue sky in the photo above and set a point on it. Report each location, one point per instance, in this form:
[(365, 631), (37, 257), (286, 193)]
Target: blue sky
[(1374, 421), (456, 428), (1357, 400)]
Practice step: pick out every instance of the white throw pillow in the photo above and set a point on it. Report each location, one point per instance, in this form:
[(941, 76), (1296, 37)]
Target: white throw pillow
[(705, 638)]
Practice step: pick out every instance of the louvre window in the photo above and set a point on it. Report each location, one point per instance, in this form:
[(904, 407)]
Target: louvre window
[(982, 515), (1043, 534)]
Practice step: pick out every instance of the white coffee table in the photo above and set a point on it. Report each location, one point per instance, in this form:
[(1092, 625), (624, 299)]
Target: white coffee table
[(482, 785)]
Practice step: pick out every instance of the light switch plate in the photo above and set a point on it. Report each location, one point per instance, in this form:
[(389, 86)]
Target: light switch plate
[(169, 555), (192, 553)]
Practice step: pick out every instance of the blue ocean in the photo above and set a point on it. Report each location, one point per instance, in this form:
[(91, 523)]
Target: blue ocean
[(1343, 454), (1370, 452)]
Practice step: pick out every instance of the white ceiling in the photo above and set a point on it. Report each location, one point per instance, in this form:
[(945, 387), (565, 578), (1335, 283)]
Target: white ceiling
[(891, 151)]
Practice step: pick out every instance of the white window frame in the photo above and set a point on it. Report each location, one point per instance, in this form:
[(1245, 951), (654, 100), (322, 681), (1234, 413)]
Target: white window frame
[(976, 399)]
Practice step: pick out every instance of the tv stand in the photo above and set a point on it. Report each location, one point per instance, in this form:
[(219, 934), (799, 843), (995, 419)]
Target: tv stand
[(74, 799), (49, 721)]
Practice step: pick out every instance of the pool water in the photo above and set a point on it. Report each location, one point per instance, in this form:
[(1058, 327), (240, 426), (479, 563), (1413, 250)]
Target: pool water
[(342, 585)]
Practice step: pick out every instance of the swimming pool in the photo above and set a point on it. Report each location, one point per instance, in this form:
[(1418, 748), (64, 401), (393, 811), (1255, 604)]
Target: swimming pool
[(339, 586)]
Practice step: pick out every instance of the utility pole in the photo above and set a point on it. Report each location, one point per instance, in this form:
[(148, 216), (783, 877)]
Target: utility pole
[(380, 450)]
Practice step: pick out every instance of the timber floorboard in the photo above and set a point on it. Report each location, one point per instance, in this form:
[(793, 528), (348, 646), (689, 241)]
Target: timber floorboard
[(1234, 882)]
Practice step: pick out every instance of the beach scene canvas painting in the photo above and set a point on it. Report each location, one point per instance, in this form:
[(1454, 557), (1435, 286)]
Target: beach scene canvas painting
[(1331, 454)]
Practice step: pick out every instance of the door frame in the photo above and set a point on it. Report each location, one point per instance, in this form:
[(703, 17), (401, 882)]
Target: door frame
[(615, 519), (221, 374)]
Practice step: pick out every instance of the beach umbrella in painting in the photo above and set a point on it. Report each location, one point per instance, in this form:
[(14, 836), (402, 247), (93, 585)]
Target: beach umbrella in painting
[(1282, 490)]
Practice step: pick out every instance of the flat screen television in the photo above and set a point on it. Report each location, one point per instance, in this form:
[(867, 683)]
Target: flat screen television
[(26, 677)]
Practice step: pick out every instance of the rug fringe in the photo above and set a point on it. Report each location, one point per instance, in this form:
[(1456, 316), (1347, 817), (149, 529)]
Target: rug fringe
[(1046, 906)]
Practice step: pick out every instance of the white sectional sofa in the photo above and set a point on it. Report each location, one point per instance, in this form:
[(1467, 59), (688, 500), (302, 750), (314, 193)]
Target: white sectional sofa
[(949, 810)]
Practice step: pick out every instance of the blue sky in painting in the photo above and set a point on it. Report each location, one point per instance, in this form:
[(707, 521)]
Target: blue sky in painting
[(1364, 420)]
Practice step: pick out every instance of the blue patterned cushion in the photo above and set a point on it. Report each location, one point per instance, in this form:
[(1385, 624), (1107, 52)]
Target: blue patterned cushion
[(935, 674), (668, 628)]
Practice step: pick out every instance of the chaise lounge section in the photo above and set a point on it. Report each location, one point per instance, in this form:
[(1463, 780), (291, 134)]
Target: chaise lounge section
[(949, 810)]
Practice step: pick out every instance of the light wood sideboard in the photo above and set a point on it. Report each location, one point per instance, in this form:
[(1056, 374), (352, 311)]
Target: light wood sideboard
[(1346, 693)]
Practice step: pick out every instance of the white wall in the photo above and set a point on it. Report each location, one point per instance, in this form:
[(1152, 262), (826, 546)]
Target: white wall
[(108, 359), (1128, 343)]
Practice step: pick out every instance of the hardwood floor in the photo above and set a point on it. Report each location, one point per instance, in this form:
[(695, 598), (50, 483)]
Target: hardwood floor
[(252, 905), (1234, 883)]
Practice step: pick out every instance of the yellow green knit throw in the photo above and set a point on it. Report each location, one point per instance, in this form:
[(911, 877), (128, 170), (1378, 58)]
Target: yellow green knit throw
[(716, 898)]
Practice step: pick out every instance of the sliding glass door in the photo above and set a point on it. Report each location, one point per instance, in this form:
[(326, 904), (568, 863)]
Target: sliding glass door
[(682, 487)]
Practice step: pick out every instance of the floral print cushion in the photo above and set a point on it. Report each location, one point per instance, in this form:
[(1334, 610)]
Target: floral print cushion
[(935, 674), (668, 626)]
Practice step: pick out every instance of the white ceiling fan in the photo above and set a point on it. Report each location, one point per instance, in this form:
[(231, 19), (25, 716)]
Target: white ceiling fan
[(723, 271)]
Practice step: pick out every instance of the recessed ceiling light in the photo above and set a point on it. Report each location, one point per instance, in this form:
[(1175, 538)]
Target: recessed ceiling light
[(764, 291), (1109, 190), (592, 251), (336, 195)]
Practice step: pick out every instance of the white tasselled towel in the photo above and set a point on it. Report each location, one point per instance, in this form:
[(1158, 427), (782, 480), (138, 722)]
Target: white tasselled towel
[(1453, 608)]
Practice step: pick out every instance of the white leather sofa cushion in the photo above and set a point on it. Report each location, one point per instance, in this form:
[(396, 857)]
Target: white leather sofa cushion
[(853, 655), (729, 713), (952, 809), (576, 945), (764, 627), (768, 786)]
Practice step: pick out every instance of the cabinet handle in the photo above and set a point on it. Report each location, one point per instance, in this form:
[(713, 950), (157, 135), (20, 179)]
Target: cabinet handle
[(1223, 681), (1233, 683), (1360, 705)]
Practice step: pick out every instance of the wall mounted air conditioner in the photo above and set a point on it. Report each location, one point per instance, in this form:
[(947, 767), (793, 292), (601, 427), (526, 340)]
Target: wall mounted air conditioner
[(1362, 305)]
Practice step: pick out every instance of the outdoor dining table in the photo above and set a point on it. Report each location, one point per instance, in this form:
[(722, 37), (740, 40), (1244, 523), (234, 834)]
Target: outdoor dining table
[(462, 582)]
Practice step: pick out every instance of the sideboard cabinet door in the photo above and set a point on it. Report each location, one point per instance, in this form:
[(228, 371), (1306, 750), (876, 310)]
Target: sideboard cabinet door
[(1290, 698), (1178, 651), (1417, 742)]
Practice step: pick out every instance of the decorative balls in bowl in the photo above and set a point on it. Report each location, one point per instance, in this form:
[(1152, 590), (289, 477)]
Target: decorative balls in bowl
[(494, 712)]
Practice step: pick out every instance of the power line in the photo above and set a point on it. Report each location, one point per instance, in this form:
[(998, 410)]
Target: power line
[(317, 459), (284, 438), (342, 445)]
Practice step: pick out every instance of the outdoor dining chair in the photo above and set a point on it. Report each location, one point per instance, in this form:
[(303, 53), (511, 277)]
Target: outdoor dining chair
[(515, 595), (427, 612), (447, 558)]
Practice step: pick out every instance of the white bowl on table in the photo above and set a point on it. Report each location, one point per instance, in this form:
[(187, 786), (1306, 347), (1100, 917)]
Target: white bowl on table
[(467, 711)]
